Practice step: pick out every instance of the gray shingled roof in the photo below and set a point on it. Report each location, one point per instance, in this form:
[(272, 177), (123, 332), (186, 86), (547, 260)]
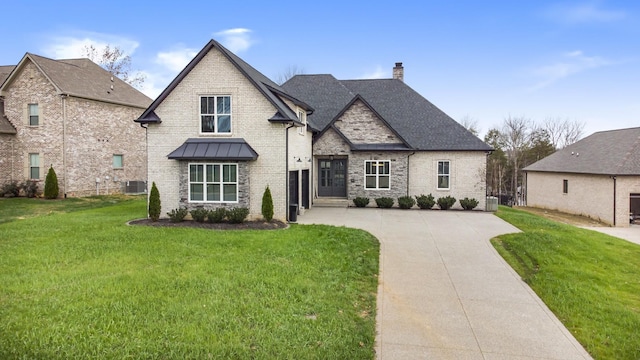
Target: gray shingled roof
[(613, 152), (85, 79), (5, 71), (421, 124), (6, 127), (268, 88)]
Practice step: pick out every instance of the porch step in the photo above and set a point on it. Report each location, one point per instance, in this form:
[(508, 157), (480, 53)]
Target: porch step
[(331, 202)]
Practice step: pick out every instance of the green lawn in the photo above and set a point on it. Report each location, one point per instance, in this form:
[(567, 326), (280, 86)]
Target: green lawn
[(82, 284), (591, 281)]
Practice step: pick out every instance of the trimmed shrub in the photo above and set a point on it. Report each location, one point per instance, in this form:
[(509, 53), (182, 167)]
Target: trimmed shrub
[(425, 201), (30, 188), (446, 202), (469, 204), (154, 203), (384, 202), (267, 204), (10, 189), (177, 215), (51, 190), (237, 215), (199, 214), (361, 201), (217, 215), (406, 202)]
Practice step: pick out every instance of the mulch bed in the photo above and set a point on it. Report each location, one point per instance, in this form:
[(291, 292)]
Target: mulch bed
[(247, 225)]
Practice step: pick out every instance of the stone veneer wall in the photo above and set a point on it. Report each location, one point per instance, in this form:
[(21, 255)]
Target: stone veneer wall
[(361, 126), (78, 137), (398, 173)]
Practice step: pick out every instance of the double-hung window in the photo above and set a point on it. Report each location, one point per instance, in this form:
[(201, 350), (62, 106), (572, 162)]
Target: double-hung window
[(444, 174), (34, 166), (215, 114), (213, 182), (33, 115), (377, 174)]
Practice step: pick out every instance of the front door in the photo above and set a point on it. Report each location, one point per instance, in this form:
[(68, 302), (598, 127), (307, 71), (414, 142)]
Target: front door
[(332, 177)]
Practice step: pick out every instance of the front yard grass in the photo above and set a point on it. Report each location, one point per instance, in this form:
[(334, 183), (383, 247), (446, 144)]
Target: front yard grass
[(83, 284), (591, 281)]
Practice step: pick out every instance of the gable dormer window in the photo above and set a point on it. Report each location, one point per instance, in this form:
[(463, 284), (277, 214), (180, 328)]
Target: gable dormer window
[(215, 114)]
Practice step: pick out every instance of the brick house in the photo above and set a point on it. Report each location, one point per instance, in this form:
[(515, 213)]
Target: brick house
[(75, 116), (598, 177), (222, 131)]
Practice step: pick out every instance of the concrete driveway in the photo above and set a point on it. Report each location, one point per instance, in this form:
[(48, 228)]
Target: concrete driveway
[(631, 233), (445, 293)]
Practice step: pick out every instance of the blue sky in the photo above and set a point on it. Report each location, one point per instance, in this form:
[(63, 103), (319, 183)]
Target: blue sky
[(484, 60)]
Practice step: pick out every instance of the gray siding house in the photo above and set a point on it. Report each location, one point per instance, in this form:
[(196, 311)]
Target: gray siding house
[(598, 177), (222, 132)]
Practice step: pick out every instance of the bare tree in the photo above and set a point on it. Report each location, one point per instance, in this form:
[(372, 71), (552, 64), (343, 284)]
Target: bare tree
[(563, 132), (114, 60), (470, 124), (288, 73), (516, 135)]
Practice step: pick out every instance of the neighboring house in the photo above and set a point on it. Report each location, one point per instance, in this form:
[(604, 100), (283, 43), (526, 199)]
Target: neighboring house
[(598, 177), (75, 116), (380, 138), (221, 132)]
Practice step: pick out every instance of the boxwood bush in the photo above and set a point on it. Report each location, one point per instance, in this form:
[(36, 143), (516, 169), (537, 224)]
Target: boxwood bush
[(446, 202), (361, 201), (217, 215), (406, 202), (425, 201), (199, 214), (384, 202), (468, 204), (237, 215), (177, 215)]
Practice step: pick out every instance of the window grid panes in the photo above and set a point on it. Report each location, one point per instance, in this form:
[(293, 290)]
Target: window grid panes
[(377, 174), (443, 174), (215, 114), (33, 115), (34, 166), (213, 182), (118, 162)]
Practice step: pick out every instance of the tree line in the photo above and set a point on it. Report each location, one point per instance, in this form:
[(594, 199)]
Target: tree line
[(520, 142)]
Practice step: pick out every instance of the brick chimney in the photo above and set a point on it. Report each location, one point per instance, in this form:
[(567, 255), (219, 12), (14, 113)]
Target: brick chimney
[(398, 72)]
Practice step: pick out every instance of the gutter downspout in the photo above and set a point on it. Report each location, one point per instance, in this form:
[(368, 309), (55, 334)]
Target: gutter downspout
[(614, 200), (408, 169), (286, 169), (64, 142), (146, 148)]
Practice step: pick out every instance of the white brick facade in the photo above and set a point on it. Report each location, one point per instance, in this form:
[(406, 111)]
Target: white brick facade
[(179, 112), (587, 195), (78, 137)]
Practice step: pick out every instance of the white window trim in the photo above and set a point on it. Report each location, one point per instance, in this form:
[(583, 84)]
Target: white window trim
[(215, 115), (205, 182), (377, 188), (448, 175)]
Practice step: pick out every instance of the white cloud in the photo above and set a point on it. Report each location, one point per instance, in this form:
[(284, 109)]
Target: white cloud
[(236, 40), (73, 46), (378, 73), (586, 12), (176, 60), (570, 63)]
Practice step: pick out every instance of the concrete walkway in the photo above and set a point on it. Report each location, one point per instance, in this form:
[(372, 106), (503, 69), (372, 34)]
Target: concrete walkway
[(445, 293), (631, 233)]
